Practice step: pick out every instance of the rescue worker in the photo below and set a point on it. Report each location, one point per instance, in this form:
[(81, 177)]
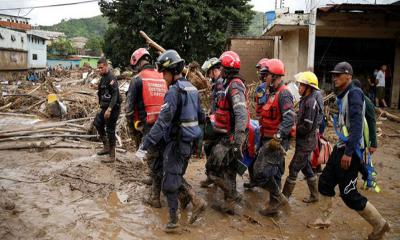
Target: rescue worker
[(110, 101), (277, 120), (307, 126), (346, 159), (231, 119), (260, 99), (143, 103), (178, 126), (212, 69)]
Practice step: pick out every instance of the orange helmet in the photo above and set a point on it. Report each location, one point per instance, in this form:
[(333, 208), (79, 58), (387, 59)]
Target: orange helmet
[(275, 66), (230, 59), (262, 63), (139, 54)]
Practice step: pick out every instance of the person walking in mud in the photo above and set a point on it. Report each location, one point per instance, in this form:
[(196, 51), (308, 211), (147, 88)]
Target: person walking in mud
[(307, 124), (260, 99), (109, 101), (231, 119), (143, 104), (177, 125), (277, 120), (346, 159), (212, 69)]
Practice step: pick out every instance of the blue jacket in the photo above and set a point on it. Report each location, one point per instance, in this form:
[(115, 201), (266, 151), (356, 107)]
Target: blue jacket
[(179, 117), (355, 102)]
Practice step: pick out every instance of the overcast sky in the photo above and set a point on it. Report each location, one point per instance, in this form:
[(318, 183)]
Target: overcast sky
[(50, 16)]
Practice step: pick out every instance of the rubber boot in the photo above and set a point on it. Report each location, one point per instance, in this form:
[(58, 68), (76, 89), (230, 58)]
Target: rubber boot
[(106, 146), (288, 187), (148, 181), (172, 224), (373, 217), (111, 157), (154, 197), (314, 194), (184, 199), (325, 214), (199, 205), (249, 185), (206, 183), (277, 201)]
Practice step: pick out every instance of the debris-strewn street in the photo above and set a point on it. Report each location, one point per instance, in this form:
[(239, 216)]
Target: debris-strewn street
[(58, 189)]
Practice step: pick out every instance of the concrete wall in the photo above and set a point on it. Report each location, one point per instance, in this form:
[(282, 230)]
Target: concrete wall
[(20, 41), (396, 77), (250, 51), (13, 60), (293, 52), (37, 45), (65, 63)]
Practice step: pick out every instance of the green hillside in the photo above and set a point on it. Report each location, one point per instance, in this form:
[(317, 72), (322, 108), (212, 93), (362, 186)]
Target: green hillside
[(93, 27)]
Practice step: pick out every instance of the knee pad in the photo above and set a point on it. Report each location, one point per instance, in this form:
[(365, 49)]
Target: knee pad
[(354, 200), (325, 188)]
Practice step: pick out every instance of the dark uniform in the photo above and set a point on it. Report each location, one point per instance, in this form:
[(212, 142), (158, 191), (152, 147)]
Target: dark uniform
[(223, 162), (217, 90), (136, 110), (277, 119), (306, 141), (109, 97), (177, 125)]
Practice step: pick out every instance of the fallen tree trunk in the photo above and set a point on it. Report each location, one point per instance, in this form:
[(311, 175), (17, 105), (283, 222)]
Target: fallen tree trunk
[(47, 136), (193, 74), (26, 133), (390, 116), (49, 125)]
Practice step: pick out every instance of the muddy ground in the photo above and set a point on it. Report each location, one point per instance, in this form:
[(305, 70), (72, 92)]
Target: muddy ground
[(69, 194)]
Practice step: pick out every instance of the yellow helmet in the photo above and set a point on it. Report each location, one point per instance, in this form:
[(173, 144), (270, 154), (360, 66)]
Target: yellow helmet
[(308, 78)]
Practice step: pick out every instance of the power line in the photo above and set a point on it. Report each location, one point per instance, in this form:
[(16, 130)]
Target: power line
[(48, 6)]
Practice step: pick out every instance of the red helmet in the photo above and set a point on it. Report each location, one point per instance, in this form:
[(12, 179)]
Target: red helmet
[(230, 59), (262, 63), (138, 54), (275, 66)]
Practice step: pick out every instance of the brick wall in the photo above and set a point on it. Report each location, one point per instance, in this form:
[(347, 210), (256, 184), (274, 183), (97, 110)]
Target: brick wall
[(250, 51)]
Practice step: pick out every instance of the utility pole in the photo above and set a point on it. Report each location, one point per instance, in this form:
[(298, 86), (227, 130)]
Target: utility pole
[(311, 34)]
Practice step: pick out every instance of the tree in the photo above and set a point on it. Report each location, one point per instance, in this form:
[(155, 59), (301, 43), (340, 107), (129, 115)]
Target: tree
[(95, 44), (61, 47), (195, 28)]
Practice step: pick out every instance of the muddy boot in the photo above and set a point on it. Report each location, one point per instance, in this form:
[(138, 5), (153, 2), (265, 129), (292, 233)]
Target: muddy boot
[(106, 146), (172, 225), (249, 185), (314, 194), (154, 197), (199, 205), (276, 202), (111, 158), (206, 183), (288, 187), (325, 214), (373, 217), (184, 199), (148, 181)]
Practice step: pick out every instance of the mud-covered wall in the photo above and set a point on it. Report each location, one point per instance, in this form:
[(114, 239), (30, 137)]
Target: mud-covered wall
[(13, 60)]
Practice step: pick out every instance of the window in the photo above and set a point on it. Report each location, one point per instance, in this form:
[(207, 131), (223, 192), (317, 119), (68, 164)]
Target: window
[(43, 41), (22, 39), (1, 37), (34, 56), (12, 37)]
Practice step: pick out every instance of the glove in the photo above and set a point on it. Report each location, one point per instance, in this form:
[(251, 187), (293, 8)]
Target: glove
[(141, 153), (236, 150), (278, 137)]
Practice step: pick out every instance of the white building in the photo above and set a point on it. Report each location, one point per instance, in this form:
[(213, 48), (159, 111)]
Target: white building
[(37, 51), (13, 50)]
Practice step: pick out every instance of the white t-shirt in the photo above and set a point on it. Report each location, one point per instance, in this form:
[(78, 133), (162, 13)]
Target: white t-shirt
[(380, 77)]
